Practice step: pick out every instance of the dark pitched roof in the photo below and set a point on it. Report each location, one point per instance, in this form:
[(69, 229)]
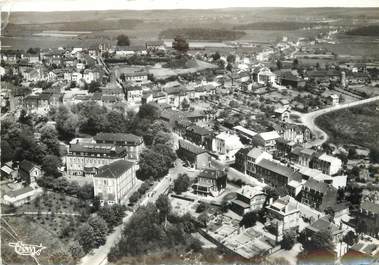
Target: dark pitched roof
[(199, 130), (26, 165), (276, 167), (318, 185), (97, 148), (191, 147), (324, 225), (211, 173), (119, 137), (115, 169)]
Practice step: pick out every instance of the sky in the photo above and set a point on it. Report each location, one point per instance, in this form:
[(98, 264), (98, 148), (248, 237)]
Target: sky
[(68, 5)]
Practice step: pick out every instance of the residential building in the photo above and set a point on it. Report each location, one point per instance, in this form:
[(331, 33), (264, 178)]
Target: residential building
[(29, 171), (248, 199), (226, 145), (199, 136), (273, 173), (323, 224), (295, 133), (114, 183), (134, 94), (138, 76), (253, 157), (283, 216), (267, 140), (210, 182), (85, 159), (302, 156), (241, 159), (193, 155), (335, 99), (327, 164), (369, 213), (244, 133), (21, 196), (132, 143), (318, 195), (283, 113)]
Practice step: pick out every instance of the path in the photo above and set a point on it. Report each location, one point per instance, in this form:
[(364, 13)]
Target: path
[(36, 213), (308, 119)]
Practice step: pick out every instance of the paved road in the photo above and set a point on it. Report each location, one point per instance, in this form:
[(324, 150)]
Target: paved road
[(308, 119)]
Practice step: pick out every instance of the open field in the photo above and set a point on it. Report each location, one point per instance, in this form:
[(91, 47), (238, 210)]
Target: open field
[(357, 125)]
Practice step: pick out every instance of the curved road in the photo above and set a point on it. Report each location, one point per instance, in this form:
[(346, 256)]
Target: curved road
[(308, 119)]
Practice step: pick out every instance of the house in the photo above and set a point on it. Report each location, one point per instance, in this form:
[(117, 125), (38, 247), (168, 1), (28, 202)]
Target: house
[(283, 113), (248, 199), (264, 76), (335, 99), (7, 171), (241, 159), (226, 145), (369, 213), (302, 156), (296, 133), (90, 75), (134, 94), (272, 173), (325, 225), (138, 76), (291, 80), (85, 159), (199, 136), (153, 46), (318, 195), (210, 182), (21, 196), (267, 140), (327, 164), (29, 171), (114, 183), (254, 156), (194, 155), (283, 215), (244, 133), (132, 143)]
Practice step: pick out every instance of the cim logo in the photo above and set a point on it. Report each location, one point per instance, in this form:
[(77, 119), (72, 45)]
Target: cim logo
[(27, 249)]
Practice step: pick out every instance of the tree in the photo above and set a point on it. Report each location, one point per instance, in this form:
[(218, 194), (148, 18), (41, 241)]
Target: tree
[(203, 219), (164, 206), (352, 153), (182, 183), (144, 187), (76, 250), (288, 241), (321, 240), (350, 238), (216, 56), (86, 237), (374, 155), (279, 64), (249, 219), (149, 111), (361, 226), (123, 40), (201, 207), (185, 104), (50, 164), (94, 86), (295, 63), (134, 197), (86, 192), (152, 164), (180, 44), (100, 230), (231, 58), (49, 137)]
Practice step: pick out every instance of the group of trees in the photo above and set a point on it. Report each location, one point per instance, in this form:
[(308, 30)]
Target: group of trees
[(182, 183), (62, 185), (19, 143), (153, 229)]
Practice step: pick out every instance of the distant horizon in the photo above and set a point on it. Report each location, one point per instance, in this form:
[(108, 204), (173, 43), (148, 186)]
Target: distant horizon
[(151, 5)]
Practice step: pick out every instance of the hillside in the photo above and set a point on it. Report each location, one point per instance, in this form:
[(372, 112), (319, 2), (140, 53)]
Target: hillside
[(371, 30), (202, 34), (277, 25)]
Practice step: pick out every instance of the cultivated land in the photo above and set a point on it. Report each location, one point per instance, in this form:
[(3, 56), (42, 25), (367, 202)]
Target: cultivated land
[(357, 125)]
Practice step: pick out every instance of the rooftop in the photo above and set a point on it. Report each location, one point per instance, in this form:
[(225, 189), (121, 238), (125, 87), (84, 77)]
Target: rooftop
[(114, 170), (276, 167), (119, 137), (269, 135), (191, 147), (26, 165), (211, 173)]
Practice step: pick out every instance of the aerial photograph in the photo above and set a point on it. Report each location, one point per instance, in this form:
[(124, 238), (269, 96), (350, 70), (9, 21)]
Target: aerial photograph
[(189, 132)]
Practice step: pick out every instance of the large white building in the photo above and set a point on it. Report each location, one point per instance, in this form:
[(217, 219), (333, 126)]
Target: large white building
[(226, 145), (114, 183)]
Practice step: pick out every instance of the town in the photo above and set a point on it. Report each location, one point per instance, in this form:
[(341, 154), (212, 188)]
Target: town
[(191, 151)]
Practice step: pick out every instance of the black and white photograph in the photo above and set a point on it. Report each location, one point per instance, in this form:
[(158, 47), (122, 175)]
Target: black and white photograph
[(189, 132)]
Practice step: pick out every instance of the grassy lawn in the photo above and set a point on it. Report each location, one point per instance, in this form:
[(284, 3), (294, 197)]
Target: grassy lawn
[(54, 231), (358, 125), (31, 232)]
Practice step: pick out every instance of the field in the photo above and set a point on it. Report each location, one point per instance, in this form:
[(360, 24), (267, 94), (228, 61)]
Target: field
[(43, 228), (358, 125)]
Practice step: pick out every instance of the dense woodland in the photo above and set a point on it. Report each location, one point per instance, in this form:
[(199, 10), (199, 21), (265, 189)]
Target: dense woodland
[(371, 30)]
